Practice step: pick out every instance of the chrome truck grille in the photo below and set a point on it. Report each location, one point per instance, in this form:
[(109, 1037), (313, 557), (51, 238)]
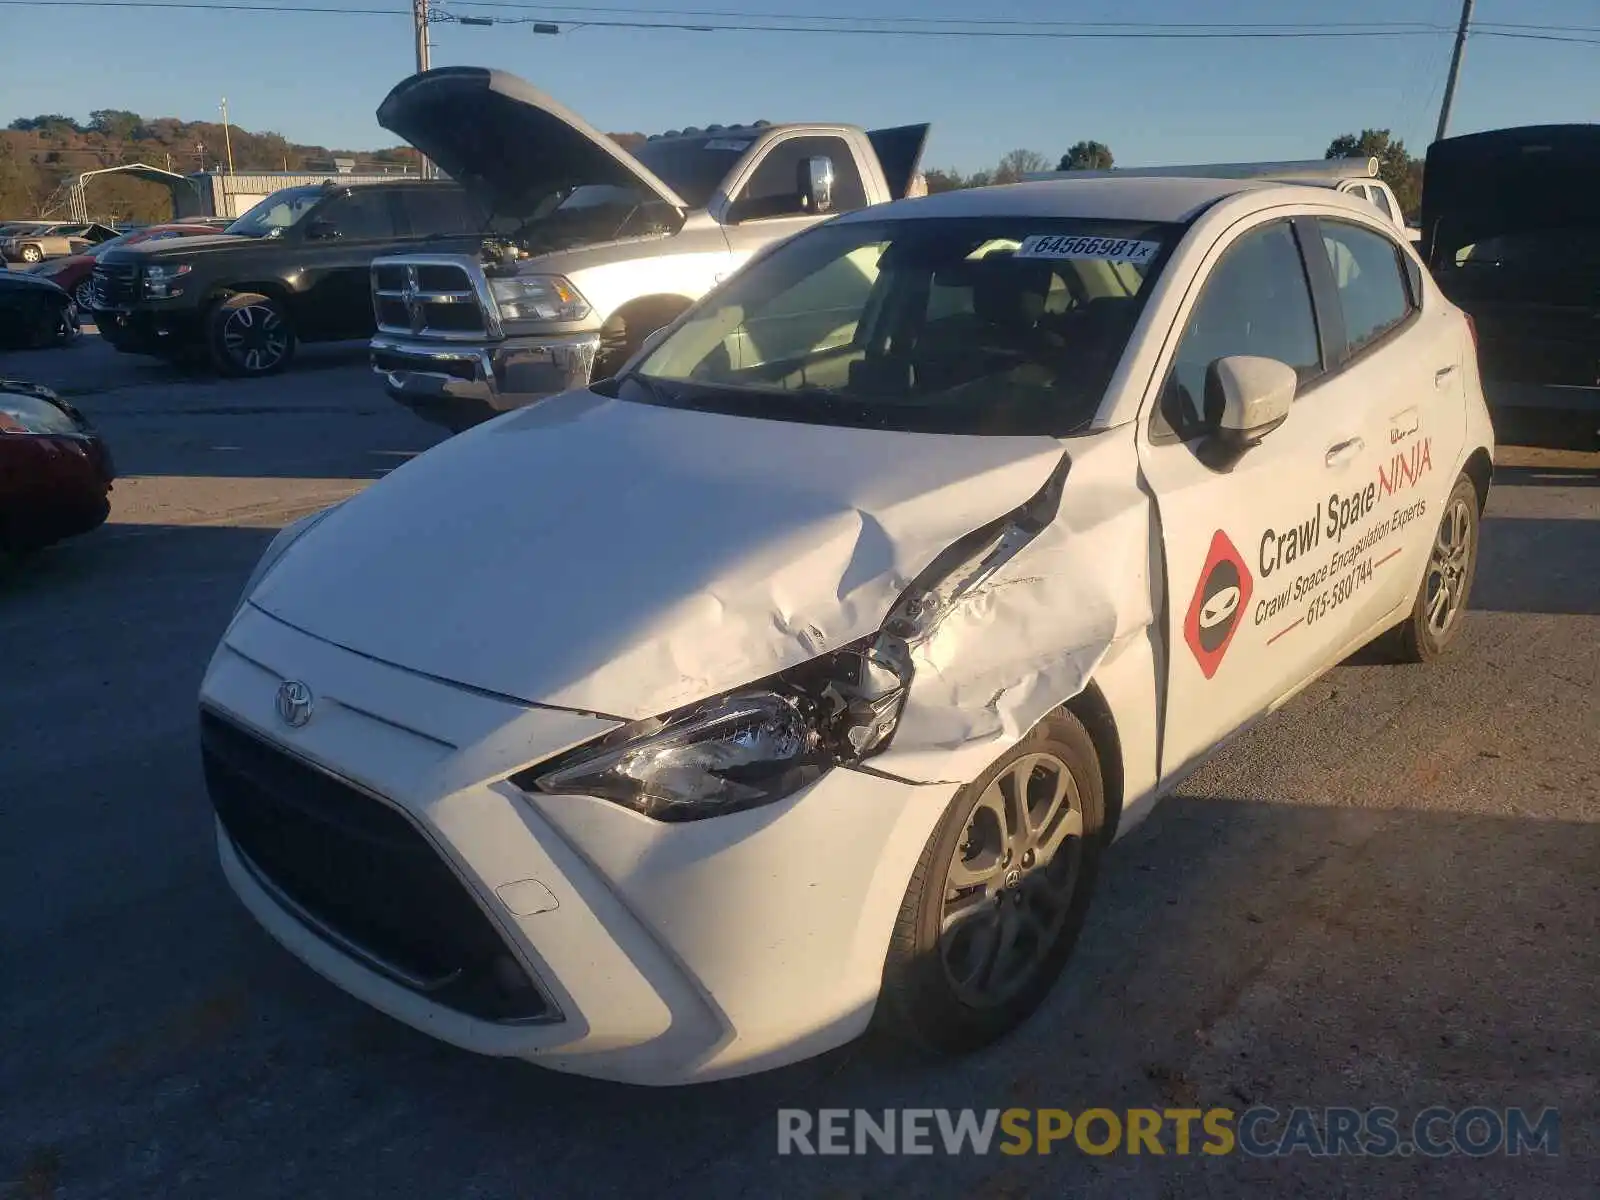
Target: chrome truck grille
[(443, 297)]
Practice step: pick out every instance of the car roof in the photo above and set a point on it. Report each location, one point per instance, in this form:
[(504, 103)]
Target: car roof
[(1149, 198)]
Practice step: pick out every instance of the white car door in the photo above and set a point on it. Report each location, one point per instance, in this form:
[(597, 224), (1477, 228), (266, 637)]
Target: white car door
[(1246, 545), (1400, 371)]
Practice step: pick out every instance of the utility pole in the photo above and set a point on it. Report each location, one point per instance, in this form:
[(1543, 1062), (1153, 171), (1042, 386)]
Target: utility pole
[(1455, 69), (227, 136), (419, 18)]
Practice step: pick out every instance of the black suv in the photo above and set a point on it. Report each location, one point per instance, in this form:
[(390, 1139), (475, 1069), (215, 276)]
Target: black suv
[(293, 269)]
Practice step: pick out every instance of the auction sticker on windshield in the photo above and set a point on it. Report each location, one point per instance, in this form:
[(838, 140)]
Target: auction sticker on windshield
[(1055, 245)]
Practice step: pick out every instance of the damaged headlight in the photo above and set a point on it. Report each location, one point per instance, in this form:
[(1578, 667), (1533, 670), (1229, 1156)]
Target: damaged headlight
[(746, 748)]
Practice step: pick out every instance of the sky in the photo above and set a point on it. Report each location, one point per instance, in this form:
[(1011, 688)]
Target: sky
[(318, 77)]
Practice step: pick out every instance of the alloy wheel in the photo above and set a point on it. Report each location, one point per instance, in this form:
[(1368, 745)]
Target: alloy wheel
[(1009, 886), (84, 295), (255, 337), (31, 254), (1447, 567)]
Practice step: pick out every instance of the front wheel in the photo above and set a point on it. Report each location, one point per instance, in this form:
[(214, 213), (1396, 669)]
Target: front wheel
[(84, 295), (999, 895), (32, 254), (249, 336), (1441, 602)]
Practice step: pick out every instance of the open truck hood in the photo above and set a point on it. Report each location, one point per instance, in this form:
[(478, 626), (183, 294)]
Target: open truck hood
[(625, 559), (506, 142)]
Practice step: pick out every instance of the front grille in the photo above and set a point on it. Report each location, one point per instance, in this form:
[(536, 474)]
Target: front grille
[(362, 875), (422, 299), (114, 284)]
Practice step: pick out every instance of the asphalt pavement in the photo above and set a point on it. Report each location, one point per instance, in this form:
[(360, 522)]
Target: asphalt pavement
[(1386, 894)]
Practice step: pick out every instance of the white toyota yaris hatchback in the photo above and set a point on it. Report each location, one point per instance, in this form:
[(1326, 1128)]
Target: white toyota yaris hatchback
[(796, 680)]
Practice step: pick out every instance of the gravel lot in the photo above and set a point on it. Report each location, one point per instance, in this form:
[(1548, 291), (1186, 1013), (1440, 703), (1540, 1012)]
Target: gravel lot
[(1388, 893)]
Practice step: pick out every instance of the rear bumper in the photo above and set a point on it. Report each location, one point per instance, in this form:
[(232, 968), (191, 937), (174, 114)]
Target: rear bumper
[(458, 386), (63, 486), (1550, 415)]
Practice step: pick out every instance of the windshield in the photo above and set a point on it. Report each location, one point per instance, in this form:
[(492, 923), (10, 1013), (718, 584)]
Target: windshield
[(971, 325), (693, 167), (277, 212)]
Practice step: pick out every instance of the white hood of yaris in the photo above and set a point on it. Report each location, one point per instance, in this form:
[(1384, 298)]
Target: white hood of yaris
[(624, 559)]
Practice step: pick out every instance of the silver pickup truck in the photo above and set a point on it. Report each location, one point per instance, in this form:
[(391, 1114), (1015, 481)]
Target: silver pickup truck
[(586, 249)]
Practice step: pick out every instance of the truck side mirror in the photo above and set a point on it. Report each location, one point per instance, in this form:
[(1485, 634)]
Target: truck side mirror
[(1247, 398), (816, 184)]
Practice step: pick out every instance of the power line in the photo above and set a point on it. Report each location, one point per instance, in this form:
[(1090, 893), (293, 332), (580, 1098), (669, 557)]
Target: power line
[(879, 27)]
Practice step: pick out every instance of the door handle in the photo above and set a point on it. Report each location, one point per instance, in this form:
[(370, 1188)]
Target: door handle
[(1342, 452), (1442, 375)]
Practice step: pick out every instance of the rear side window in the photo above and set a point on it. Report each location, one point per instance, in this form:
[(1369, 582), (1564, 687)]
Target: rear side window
[(1374, 293), (438, 211), (1256, 301), (774, 189), (362, 215)]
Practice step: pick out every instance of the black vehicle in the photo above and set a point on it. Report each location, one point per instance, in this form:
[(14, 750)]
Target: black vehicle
[(293, 269), (35, 312), (1511, 230)]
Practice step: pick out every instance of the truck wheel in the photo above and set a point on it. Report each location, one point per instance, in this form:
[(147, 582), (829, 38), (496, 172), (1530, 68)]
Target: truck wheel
[(32, 254), (625, 332), (1441, 603), (999, 895), (249, 335)]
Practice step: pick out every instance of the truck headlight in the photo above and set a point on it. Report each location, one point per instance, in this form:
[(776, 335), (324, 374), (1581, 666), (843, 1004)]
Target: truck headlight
[(161, 280), (538, 298), (749, 747)]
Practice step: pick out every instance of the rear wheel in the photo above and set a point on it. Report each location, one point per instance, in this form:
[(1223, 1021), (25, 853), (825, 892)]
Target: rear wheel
[(1441, 603), (84, 295), (56, 325), (999, 895), (32, 254), (249, 335)]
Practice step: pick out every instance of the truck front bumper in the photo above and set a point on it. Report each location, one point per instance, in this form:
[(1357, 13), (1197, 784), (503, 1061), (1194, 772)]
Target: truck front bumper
[(460, 385)]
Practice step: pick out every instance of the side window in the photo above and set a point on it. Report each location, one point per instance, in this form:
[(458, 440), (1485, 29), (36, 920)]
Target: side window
[(363, 214), (1380, 197), (1255, 301), (1374, 295), (437, 210), (774, 189)]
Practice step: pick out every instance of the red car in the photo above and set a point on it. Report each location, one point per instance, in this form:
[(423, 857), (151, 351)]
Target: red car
[(55, 472), (72, 273)]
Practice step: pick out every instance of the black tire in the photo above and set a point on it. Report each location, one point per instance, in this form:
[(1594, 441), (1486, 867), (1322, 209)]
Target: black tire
[(83, 293), (923, 1002), (249, 336), (54, 326), (623, 335), (1421, 637)]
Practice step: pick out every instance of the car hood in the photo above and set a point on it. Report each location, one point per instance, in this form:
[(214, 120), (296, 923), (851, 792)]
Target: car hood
[(187, 247), (22, 280), (625, 559), (506, 142)]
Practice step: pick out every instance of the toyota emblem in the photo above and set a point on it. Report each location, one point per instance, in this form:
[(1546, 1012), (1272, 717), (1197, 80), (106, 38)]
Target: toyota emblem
[(295, 703)]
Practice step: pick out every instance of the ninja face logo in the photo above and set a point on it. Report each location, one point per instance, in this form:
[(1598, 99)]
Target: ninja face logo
[(1219, 601)]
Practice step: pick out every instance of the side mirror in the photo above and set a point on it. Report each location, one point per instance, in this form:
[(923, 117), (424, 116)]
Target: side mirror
[(1246, 399), (816, 184), (321, 229)]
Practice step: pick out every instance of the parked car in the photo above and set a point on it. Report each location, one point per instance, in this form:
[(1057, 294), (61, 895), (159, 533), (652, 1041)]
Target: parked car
[(293, 269), (595, 247), (797, 677), (53, 241), (34, 312), (55, 471), (1512, 234), (75, 272)]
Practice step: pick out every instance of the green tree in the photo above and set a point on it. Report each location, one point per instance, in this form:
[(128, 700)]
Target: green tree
[(1018, 163), (1087, 156), (116, 123), (939, 180), (1396, 167)]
